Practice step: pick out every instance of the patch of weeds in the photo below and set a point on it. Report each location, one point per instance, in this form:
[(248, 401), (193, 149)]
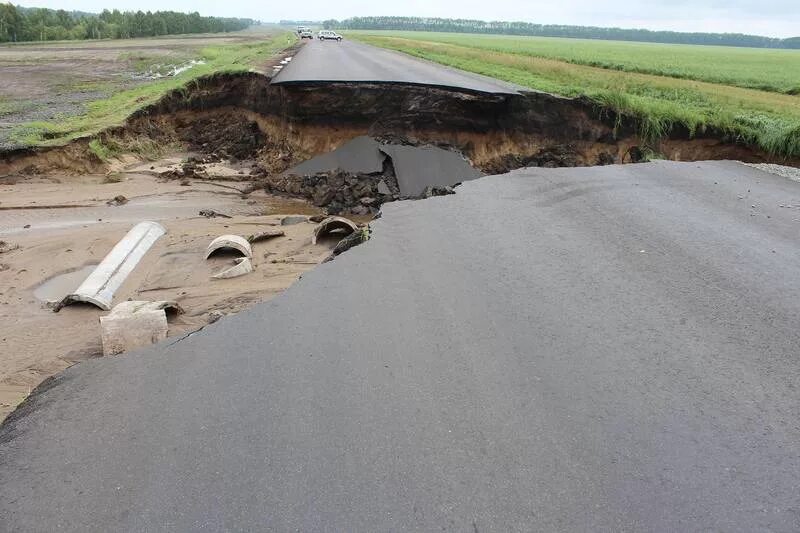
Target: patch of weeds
[(37, 132), (101, 150)]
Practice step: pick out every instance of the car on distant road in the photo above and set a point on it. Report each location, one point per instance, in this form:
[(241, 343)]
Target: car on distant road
[(305, 33), (328, 35)]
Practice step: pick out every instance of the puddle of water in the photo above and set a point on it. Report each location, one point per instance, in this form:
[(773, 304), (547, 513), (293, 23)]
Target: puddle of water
[(55, 288)]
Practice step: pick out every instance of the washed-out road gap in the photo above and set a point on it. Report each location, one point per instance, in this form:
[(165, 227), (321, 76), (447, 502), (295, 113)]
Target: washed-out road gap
[(578, 349)]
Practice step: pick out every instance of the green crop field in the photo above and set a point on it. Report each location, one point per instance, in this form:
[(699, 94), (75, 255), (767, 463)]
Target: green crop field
[(751, 68), (745, 92)]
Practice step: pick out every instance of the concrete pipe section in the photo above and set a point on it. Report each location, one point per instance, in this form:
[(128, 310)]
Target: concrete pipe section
[(331, 224), (99, 288), (230, 242)]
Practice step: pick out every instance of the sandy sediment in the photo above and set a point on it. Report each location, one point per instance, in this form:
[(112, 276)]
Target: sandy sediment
[(58, 225)]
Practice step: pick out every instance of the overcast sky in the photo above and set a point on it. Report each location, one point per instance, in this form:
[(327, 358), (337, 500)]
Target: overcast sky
[(777, 18)]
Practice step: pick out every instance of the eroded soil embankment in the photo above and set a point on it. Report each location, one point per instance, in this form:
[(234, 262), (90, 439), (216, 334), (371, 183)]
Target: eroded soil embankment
[(243, 116)]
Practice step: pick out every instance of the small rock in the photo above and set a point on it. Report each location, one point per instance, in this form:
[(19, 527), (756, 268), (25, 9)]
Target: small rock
[(435, 190), (118, 200), (368, 201), (210, 213), (323, 195), (383, 188), (8, 247), (214, 316), (26, 226), (360, 210), (264, 235), (293, 219), (316, 219)]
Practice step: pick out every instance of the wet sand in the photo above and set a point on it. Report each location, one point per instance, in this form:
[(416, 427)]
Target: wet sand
[(70, 228)]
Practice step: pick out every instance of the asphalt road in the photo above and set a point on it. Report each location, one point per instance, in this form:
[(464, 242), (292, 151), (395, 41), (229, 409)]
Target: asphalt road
[(348, 61), (594, 349)]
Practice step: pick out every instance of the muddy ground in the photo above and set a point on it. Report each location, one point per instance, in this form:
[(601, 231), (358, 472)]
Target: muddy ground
[(55, 225), (46, 82)]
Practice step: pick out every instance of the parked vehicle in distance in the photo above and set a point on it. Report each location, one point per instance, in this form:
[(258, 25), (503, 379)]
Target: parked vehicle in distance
[(305, 33), (328, 35)]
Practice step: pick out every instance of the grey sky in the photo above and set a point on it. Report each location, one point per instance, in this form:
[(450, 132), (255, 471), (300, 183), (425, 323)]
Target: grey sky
[(778, 18)]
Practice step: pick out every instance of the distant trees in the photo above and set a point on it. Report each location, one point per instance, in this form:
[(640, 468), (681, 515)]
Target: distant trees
[(36, 24), (545, 30)]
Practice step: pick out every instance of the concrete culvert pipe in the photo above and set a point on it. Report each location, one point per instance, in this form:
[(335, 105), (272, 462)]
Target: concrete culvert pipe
[(331, 224), (230, 242)]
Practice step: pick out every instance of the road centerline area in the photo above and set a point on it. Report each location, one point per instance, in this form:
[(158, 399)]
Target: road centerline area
[(353, 62)]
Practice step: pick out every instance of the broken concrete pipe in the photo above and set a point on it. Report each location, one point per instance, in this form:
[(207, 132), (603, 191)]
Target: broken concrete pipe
[(265, 235), (242, 266), (230, 242), (134, 324), (332, 224), (99, 287)]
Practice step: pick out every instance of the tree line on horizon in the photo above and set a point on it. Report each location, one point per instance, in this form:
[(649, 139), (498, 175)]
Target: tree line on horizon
[(18, 24), (554, 30)]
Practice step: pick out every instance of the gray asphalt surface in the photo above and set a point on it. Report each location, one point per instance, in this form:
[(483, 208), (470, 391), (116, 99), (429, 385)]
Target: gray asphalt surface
[(348, 61), (594, 349)]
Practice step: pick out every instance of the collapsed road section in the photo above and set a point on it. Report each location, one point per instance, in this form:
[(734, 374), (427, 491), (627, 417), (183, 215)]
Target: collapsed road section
[(243, 117)]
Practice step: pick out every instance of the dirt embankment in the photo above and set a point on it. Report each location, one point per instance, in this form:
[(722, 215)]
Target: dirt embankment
[(243, 116)]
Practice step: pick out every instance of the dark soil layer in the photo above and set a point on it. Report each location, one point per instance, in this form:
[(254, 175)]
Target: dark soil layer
[(242, 116)]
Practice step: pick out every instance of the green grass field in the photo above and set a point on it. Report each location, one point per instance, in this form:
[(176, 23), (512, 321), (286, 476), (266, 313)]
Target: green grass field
[(693, 86)]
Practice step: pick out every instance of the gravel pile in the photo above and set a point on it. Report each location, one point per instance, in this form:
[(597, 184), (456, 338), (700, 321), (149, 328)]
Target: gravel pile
[(787, 172)]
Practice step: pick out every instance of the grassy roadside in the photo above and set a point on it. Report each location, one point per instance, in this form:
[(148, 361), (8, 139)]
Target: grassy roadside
[(112, 111), (768, 119)]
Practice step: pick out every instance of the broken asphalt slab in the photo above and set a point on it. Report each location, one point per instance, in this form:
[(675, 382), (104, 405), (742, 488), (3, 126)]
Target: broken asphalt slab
[(419, 167), (357, 156), (608, 348), (416, 167)]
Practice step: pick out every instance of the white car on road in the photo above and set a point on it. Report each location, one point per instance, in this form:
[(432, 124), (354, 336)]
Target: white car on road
[(328, 35)]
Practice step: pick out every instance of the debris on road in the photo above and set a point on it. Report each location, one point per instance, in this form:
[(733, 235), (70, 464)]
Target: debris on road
[(364, 173), (133, 324), (215, 316), (265, 235), (210, 213), (6, 247), (242, 266), (102, 283), (354, 239), (360, 155), (432, 190), (332, 224), (418, 167), (230, 242), (118, 200)]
